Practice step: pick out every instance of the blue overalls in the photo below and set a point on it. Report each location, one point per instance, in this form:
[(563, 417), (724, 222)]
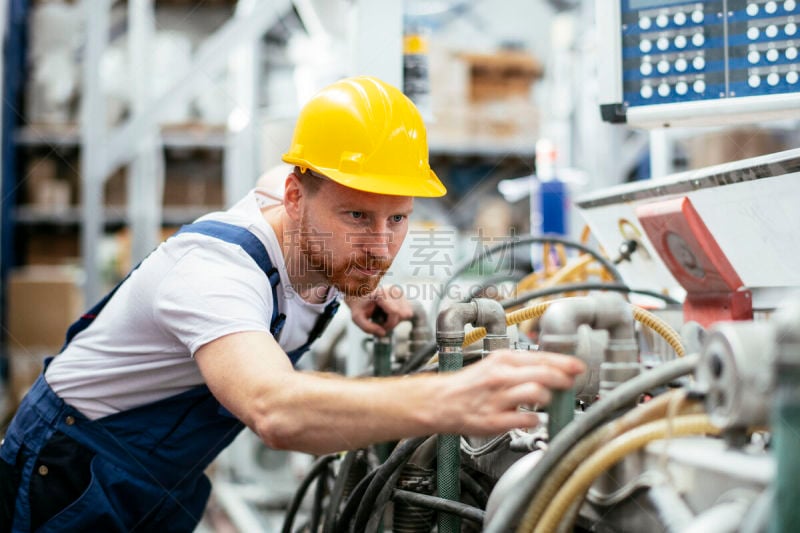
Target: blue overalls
[(140, 469)]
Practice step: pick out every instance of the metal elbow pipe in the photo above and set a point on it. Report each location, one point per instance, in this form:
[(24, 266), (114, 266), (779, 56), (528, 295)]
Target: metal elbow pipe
[(450, 323), (492, 316), (420, 329)]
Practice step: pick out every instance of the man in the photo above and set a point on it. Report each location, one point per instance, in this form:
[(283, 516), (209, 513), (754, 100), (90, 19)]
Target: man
[(156, 380)]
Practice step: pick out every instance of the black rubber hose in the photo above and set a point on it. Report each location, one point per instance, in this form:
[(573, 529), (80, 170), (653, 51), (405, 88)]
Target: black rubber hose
[(375, 515), (473, 488), (440, 504), (525, 239), (319, 496), (329, 523), (353, 501), (513, 506), (419, 358), (319, 466), (569, 287), (398, 458)]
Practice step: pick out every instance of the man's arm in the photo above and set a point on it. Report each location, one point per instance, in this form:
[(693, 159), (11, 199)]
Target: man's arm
[(320, 413)]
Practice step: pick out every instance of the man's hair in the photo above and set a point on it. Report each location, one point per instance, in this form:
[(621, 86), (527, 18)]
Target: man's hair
[(310, 180)]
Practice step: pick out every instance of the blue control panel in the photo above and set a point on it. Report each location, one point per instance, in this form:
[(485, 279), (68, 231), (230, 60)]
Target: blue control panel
[(678, 51)]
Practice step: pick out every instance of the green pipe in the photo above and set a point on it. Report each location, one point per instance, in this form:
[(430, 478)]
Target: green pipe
[(786, 435), (560, 412), (382, 363), (448, 461)]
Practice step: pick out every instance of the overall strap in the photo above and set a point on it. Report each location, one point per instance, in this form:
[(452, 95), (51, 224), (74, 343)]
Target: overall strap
[(320, 325), (254, 248)]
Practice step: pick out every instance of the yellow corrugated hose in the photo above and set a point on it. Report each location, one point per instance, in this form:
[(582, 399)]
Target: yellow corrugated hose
[(655, 409), (608, 455), (535, 311)]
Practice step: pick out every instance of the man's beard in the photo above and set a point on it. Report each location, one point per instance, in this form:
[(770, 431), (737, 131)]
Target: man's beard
[(342, 273)]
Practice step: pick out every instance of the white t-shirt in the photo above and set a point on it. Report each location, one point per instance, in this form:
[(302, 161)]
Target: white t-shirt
[(191, 290)]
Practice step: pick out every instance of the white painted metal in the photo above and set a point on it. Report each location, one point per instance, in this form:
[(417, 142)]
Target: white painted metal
[(93, 116), (750, 207), (146, 172), (210, 59), (377, 40), (241, 155)]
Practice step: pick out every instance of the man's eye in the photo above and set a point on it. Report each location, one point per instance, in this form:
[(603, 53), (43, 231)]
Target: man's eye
[(357, 214), (398, 218)]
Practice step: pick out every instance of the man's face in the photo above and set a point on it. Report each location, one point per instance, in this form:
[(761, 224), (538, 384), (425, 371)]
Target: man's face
[(351, 237)]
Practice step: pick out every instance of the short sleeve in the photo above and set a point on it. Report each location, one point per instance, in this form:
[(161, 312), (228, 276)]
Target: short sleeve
[(212, 291)]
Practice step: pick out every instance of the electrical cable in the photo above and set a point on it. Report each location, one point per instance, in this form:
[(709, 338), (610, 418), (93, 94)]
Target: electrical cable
[(353, 501), (319, 496), (612, 452), (525, 239), (319, 466), (471, 485), (440, 504), (374, 520), (601, 411), (398, 458), (591, 286), (337, 492)]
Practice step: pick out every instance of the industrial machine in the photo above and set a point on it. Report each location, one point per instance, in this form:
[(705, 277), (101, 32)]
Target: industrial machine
[(673, 62)]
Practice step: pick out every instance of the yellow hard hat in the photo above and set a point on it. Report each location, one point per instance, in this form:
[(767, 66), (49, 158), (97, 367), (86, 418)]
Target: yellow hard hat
[(367, 135)]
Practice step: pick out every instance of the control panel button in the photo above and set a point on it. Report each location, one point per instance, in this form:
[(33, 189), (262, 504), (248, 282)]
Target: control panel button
[(646, 69), (753, 56), (680, 41), (662, 20), (790, 29), (697, 16), (789, 5), (699, 86), (771, 31), (681, 88), (771, 7), (772, 54), (663, 90), (663, 66), (699, 63), (679, 18), (773, 78), (753, 33), (752, 10), (645, 23), (681, 64), (791, 53), (645, 45), (646, 91), (698, 39), (754, 81), (662, 43), (792, 77)]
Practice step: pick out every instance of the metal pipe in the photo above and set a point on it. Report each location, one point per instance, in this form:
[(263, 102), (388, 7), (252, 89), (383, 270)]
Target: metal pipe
[(492, 316), (449, 336)]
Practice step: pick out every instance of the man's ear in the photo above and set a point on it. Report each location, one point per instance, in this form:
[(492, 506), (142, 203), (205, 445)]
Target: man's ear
[(293, 196)]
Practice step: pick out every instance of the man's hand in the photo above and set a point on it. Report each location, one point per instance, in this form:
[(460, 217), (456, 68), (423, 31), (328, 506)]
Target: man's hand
[(388, 299), (482, 399)]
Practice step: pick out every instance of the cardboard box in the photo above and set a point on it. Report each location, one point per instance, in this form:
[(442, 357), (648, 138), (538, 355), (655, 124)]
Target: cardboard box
[(500, 76), (732, 145), (42, 303)]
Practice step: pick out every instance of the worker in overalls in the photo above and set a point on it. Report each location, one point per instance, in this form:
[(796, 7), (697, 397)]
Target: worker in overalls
[(200, 340)]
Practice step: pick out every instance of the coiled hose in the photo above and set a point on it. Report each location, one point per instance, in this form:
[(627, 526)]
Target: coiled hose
[(537, 310), (610, 454)]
